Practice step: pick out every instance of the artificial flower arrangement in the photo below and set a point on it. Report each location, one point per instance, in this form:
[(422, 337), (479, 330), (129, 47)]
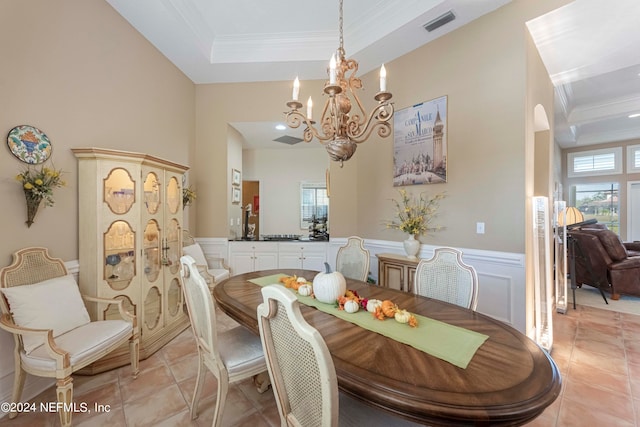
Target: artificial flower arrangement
[(38, 185), (188, 196), (414, 216)]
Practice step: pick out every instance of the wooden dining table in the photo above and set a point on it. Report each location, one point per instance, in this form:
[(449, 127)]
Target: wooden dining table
[(510, 380)]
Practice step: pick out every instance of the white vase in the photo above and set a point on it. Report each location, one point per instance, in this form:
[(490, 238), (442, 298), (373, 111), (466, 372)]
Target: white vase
[(411, 246)]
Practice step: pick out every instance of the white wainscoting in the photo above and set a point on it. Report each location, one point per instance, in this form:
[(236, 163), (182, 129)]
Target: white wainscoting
[(215, 247), (501, 277)]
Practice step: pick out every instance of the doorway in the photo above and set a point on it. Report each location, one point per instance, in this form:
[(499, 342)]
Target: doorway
[(251, 209)]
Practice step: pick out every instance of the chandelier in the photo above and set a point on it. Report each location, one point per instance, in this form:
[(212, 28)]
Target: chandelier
[(344, 122)]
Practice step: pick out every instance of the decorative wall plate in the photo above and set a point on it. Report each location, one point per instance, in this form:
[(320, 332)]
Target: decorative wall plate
[(29, 144)]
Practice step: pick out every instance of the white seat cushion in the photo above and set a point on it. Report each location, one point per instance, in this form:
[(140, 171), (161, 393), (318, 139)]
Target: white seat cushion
[(241, 351), (51, 304), (219, 274), (82, 343)]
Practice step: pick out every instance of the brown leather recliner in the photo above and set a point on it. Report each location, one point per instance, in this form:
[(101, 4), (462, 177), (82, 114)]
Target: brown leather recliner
[(602, 260)]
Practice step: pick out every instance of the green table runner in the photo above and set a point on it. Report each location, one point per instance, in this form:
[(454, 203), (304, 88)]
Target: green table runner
[(447, 342)]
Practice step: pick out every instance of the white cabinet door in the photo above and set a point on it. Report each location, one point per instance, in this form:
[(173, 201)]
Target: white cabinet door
[(307, 256), (314, 261), (246, 257), (241, 262), (265, 261), (290, 260)]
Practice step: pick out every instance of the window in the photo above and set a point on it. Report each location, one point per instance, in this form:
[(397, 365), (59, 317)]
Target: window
[(633, 158), (607, 161), (599, 201), (313, 202)]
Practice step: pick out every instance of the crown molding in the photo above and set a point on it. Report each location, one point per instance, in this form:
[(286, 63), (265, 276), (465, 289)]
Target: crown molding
[(602, 110)]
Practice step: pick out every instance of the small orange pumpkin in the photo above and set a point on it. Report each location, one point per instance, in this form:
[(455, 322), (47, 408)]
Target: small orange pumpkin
[(389, 308)]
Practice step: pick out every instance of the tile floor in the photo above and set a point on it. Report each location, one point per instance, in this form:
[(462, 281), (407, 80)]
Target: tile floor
[(597, 351)]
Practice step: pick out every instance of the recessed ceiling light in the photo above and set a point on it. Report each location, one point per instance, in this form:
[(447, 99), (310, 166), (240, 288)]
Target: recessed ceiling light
[(631, 116), (281, 127)]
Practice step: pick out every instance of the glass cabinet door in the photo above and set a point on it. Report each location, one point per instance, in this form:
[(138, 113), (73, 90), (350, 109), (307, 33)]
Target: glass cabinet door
[(119, 250), (173, 246), (119, 191), (173, 195), (152, 308), (174, 298), (152, 251), (152, 193)]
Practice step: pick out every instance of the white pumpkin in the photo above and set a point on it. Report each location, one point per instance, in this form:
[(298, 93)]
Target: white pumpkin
[(372, 304), (301, 280), (402, 316), (305, 290), (351, 306), (327, 287)]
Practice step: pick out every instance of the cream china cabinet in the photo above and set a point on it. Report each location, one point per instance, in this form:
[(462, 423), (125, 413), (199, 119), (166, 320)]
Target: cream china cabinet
[(130, 222)]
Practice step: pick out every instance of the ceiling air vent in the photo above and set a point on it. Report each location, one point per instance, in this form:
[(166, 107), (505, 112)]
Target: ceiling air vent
[(439, 21), (289, 140)]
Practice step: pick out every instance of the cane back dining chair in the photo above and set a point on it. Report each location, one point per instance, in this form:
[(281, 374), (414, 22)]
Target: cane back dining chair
[(231, 356), (353, 259), (302, 373), (54, 336), (447, 278)]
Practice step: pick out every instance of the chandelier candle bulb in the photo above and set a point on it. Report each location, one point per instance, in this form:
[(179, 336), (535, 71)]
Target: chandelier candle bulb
[(296, 89), (383, 79), (309, 109), (332, 70)]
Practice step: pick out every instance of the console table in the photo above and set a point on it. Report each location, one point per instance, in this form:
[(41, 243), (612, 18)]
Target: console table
[(396, 271)]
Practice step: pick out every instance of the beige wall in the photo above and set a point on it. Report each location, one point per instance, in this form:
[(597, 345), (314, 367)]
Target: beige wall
[(79, 72), (482, 68)]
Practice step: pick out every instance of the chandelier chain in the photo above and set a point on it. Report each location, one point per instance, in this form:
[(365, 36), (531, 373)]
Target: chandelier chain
[(340, 21)]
